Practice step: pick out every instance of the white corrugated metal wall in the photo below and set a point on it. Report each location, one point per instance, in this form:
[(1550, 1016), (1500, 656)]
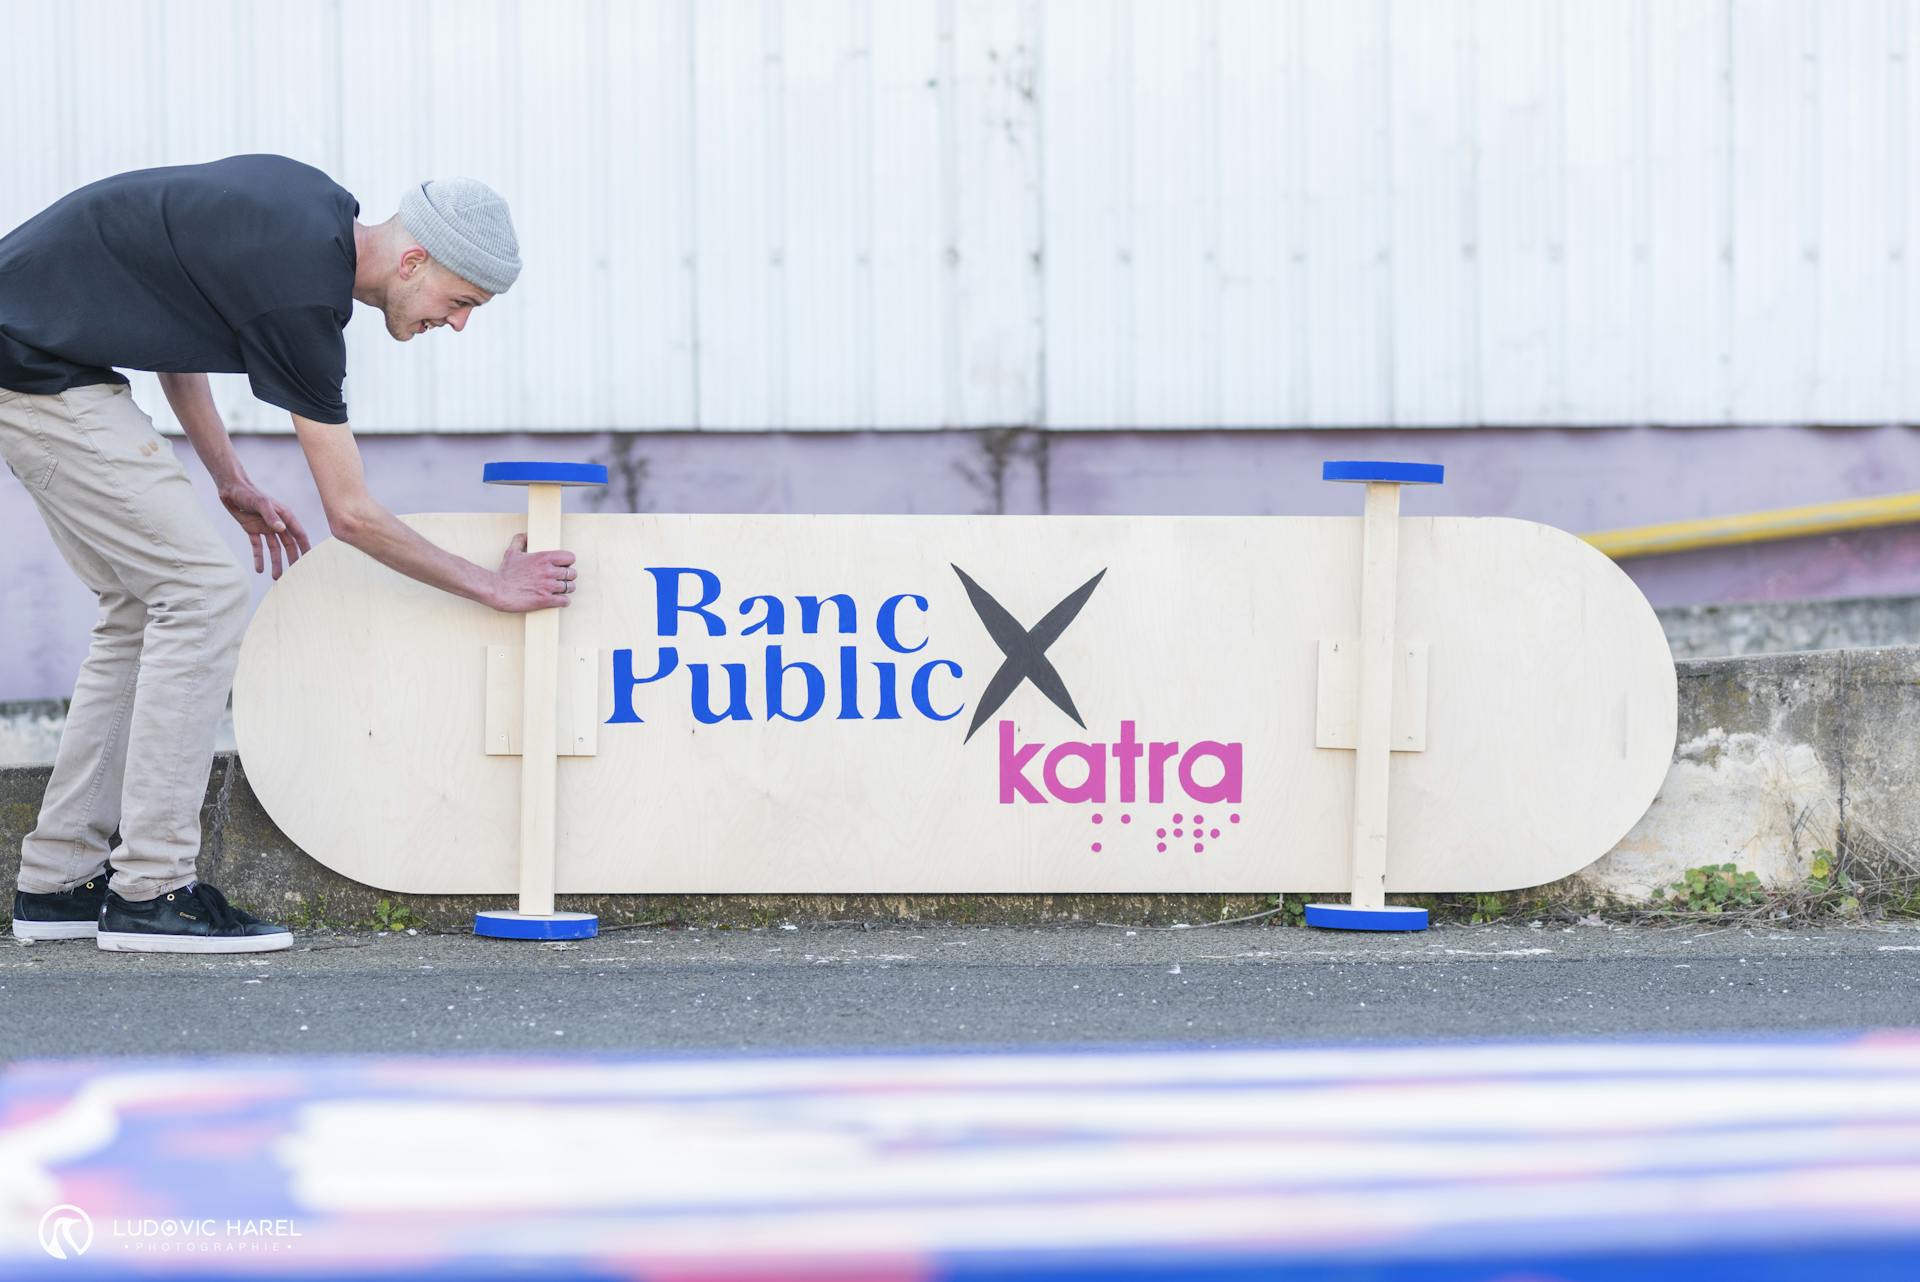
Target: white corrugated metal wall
[(1071, 213)]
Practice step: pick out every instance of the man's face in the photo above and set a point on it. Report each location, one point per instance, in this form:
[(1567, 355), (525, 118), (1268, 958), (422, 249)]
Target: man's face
[(426, 295)]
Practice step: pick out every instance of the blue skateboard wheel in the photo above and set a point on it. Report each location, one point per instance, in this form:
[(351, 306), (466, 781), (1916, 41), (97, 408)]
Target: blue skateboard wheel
[(1402, 473), (544, 474), (1347, 917), (514, 925)]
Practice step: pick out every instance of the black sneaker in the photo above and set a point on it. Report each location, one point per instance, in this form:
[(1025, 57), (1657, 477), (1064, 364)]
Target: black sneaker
[(64, 914), (194, 919)]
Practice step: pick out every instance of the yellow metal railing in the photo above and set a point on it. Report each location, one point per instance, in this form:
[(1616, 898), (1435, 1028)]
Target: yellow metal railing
[(1758, 527)]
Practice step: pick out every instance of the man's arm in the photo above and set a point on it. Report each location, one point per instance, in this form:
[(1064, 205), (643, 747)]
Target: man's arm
[(273, 531), (192, 402), (524, 581)]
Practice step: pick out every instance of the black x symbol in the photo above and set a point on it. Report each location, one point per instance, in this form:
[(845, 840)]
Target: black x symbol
[(1026, 650)]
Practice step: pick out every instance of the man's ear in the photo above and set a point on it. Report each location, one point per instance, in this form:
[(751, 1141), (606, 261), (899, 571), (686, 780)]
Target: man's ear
[(413, 261)]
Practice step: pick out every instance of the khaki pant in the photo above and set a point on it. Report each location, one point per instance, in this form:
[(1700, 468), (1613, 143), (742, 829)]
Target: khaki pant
[(138, 744)]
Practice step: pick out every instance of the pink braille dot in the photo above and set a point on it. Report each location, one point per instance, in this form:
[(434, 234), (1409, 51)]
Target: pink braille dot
[(1197, 847), (1198, 818), (1179, 832), (1096, 847), (1161, 846), (1214, 832), (1126, 819), (1233, 819), (1176, 818), (1159, 832), (1097, 818)]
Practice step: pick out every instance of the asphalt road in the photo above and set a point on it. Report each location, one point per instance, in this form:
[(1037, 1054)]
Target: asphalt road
[(839, 987)]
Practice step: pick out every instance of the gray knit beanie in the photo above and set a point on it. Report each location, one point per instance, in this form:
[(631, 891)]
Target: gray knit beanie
[(463, 224)]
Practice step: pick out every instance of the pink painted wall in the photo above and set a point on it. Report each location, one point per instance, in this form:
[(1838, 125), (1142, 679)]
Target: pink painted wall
[(1579, 479)]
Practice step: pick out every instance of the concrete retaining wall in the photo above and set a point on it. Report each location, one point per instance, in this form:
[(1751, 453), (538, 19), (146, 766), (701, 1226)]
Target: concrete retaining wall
[(1778, 757), (1781, 627)]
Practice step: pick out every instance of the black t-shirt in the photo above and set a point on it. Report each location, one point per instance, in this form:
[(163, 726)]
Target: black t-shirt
[(244, 265)]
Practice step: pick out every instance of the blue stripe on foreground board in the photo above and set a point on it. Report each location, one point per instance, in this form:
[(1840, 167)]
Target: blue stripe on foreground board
[(1776, 1159)]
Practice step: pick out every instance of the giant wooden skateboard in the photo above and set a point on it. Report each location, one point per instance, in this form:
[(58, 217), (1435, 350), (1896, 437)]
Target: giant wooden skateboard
[(789, 704)]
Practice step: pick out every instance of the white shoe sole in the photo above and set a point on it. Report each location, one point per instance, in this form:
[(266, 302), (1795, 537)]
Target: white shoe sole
[(120, 941), (54, 929)]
